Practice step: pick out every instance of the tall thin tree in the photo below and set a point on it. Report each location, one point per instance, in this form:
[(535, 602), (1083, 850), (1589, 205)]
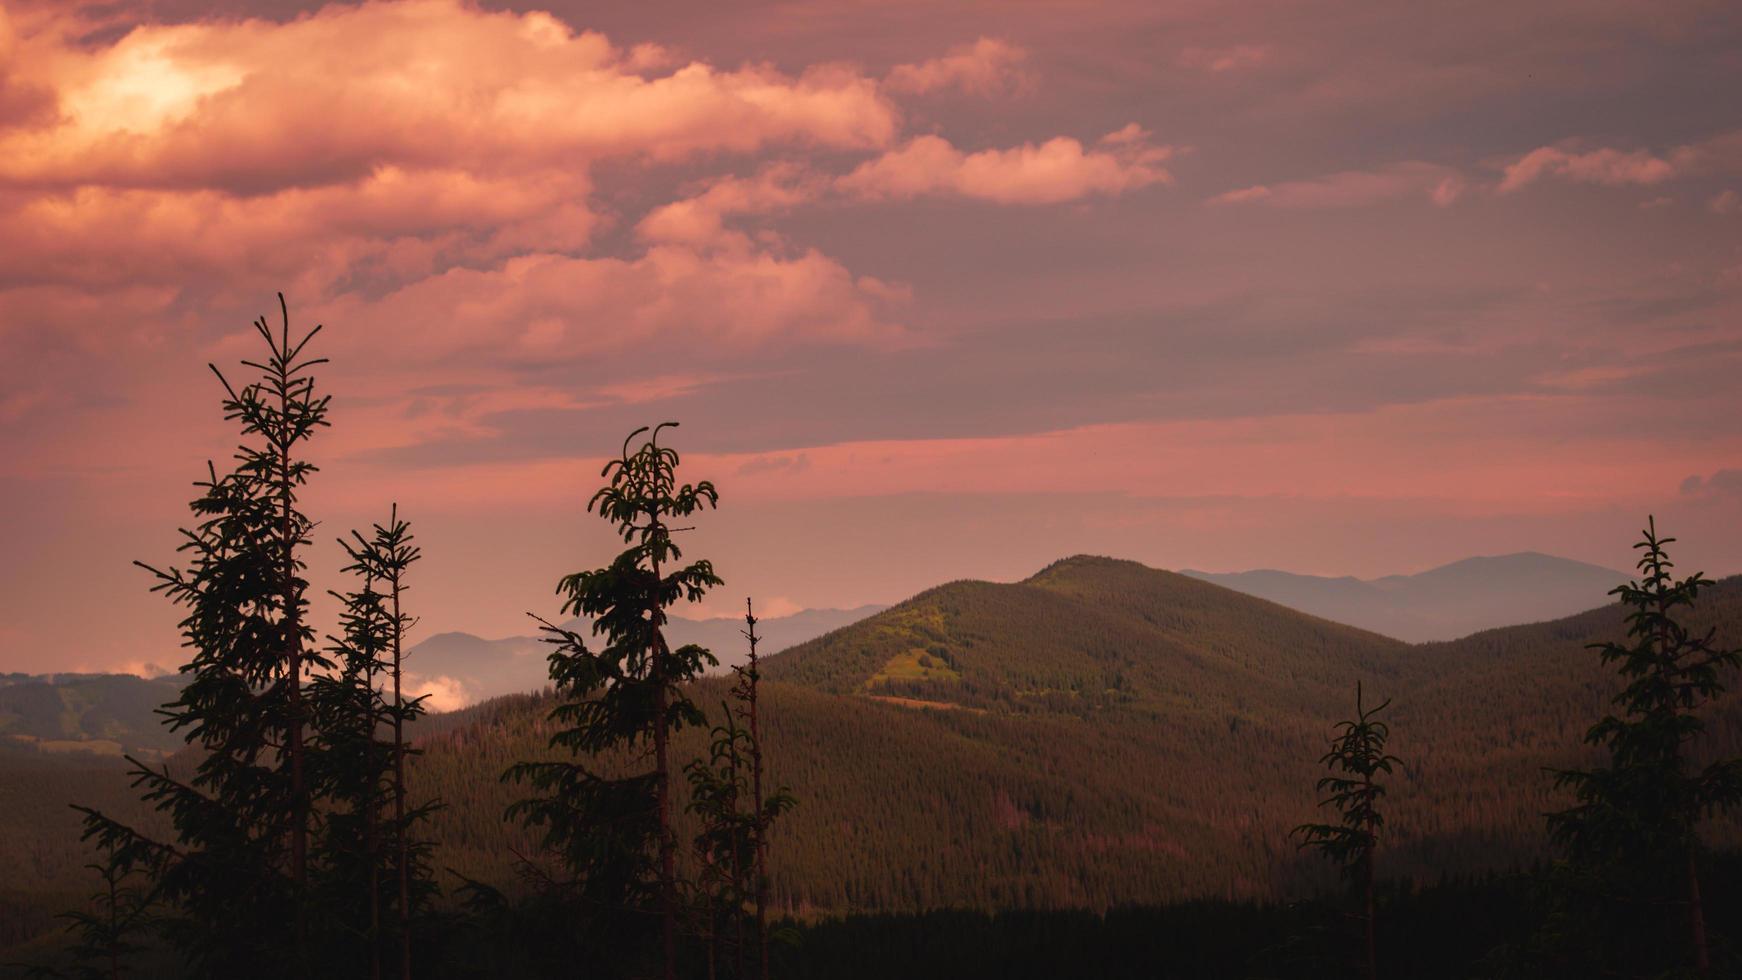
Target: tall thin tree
[(1639, 815), (1356, 759), (236, 877), (615, 834)]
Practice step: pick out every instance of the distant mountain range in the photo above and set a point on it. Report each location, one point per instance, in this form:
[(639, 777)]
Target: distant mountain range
[(457, 669), (1440, 604)]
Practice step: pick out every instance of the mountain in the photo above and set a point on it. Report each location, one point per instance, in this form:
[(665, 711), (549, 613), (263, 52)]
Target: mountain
[(1099, 734), (1439, 604), (458, 669), (1104, 733), (105, 714)]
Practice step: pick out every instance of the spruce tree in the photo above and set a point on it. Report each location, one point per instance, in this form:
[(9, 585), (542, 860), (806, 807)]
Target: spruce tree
[(1356, 758), (746, 691), (614, 833), (732, 847), (1635, 827), (235, 878), (108, 933), (365, 772)]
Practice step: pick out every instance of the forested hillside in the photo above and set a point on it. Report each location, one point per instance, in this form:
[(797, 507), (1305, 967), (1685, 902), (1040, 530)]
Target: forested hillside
[(1104, 733), (103, 714), (1097, 735)]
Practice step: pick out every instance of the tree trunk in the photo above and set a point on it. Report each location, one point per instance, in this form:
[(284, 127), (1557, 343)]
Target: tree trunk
[(293, 655), (761, 826), (1367, 888), (662, 788), (372, 811), (1697, 917), (399, 786)]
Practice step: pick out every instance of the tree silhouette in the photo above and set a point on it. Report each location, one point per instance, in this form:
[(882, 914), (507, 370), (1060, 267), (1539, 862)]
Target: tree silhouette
[(726, 792), (1356, 758), (111, 930), (614, 834), (363, 770), (236, 876), (1636, 819)]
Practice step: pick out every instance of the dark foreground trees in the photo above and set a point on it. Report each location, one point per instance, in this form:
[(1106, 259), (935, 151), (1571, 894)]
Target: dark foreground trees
[(295, 808), (732, 847), (613, 833), (1356, 759), (375, 867), (235, 879), (1632, 838)]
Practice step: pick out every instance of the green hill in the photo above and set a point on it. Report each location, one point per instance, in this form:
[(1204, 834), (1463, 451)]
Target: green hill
[(1105, 733), (102, 714)]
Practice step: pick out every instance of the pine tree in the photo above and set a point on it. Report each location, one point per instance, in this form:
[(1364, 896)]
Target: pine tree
[(746, 692), (1356, 758), (111, 931), (236, 876), (733, 844), (614, 834), (1636, 820), (725, 847), (368, 771)]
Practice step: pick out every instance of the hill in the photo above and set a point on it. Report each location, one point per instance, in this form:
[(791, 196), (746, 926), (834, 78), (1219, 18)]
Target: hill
[(104, 714), (460, 669), (1100, 734), (1439, 604), (1104, 733)]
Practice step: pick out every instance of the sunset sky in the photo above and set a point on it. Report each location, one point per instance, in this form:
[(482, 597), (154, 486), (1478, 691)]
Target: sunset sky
[(937, 290)]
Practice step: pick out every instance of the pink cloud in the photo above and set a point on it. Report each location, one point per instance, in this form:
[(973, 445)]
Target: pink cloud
[(1612, 168), (329, 97), (1617, 168), (1061, 169), (543, 306), (699, 220), (1231, 58), (988, 67), (1725, 202), (1355, 188)]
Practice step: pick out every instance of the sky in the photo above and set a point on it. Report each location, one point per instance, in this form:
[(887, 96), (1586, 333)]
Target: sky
[(936, 291)]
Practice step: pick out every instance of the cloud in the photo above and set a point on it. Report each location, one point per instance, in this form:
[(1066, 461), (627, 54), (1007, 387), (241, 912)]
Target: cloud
[(441, 693), (1355, 188), (1231, 58), (1610, 167), (1722, 483), (1060, 169), (1725, 202), (988, 67), (541, 308), (253, 106), (699, 220)]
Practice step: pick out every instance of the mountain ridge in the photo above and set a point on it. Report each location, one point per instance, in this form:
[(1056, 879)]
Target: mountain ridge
[(1441, 603)]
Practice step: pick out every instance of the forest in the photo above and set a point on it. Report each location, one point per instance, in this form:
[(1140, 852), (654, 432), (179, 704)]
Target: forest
[(1101, 770)]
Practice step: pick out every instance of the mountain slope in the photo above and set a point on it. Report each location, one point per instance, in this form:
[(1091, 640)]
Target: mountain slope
[(1439, 604), (1103, 733), (93, 713), (1099, 734)]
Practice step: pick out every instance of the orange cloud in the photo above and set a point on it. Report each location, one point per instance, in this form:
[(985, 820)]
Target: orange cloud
[(546, 306), (1355, 188), (988, 67), (255, 105), (1061, 169)]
